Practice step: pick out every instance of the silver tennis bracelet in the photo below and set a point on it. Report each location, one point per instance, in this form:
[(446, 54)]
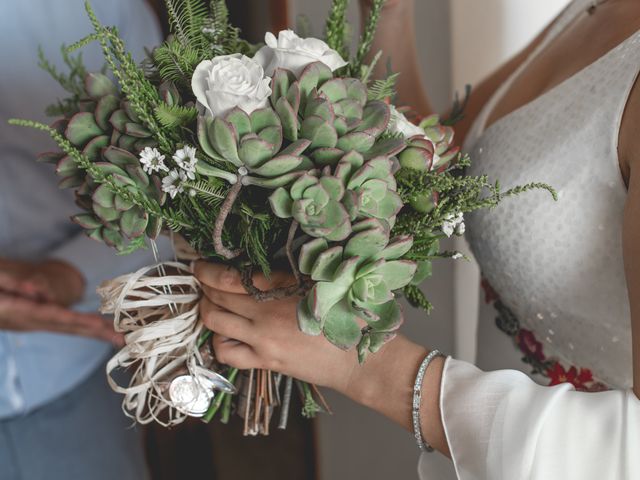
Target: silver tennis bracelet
[(417, 397)]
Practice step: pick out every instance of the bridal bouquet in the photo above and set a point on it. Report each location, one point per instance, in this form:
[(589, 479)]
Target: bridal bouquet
[(284, 156)]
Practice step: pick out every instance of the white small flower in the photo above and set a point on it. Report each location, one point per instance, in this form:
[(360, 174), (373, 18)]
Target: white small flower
[(290, 51), (173, 184), (152, 160), (399, 124), (230, 81), (457, 256), (186, 159), (453, 224)]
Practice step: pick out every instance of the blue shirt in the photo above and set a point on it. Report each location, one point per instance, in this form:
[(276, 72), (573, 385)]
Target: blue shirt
[(35, 368)]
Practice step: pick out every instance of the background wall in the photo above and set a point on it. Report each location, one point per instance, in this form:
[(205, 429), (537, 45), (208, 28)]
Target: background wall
[(463, 40)]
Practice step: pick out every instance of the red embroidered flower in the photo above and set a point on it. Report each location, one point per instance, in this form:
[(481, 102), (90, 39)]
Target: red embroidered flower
[(531, 347), (578, 379), (490, 295)]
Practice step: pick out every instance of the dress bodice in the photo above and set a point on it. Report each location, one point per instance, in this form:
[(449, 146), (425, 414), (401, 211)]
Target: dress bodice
[(558, 266)]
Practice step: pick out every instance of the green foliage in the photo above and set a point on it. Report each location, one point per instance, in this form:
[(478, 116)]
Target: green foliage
[(72, 82), (173, 116), (366, 40), (416, 297), (176, 61), (383, 88), (186, 19), (336, 31)]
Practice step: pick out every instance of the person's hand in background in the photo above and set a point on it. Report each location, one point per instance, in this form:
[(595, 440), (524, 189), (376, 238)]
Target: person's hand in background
[(50, 281), (36, 297)]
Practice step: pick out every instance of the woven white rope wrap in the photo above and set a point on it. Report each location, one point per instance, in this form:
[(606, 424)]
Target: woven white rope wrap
[(159, 315)]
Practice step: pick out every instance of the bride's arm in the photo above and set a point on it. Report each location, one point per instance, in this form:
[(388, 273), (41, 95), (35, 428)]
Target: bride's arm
[(396, 39)]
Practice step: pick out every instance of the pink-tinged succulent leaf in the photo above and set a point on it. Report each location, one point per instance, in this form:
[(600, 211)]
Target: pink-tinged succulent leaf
[(340, 124), (120, 157), (95, 234), (281, 203), (294, 96), (319, 131), (154, 227), (104, 109), (67, 167), (349, 108), (272, 135), (81, 128), (296, 148), (110, 169), (430, 121), (397, 273), (112, 238), (397, 248), (272, 182), (205, 127), (390, 205), (278, 166), (386, 148), (95, 146), (320, 107), (130, 111), (356, 90), (367, 244), (60, 125), (314, 74), (98, 85), (87, 221), (375, 118), (334, 89), (370, 224), (104, 197), (333, 186), (240, 120), (306, 321), (224, 139), (137, 174), (424, 270), (134, 222), (121, 205), (300, 185), (254, 151), (343, 228), (263, 118), (327, 156), (50, 157), (416, 158), (358, 141), (106, 214), (341, 327), (288, 118), (327, 264), (119, 120), (280, 83), (309, 253)]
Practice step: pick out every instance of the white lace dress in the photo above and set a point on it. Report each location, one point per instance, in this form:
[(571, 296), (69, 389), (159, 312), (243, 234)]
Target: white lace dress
[(556, 289)]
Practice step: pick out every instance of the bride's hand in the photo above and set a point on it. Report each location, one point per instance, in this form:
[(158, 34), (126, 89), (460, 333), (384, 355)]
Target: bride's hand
[(251, 334)]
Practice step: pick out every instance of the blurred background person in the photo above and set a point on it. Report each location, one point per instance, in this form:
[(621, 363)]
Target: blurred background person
[(58, 417)]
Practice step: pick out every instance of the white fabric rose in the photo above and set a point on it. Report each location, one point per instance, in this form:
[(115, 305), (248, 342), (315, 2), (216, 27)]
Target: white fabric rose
[(294, 53), (230, 81), (399, 124)]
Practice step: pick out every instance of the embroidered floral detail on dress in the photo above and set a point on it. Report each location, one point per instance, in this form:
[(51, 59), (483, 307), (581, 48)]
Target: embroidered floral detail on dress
[(533, 350)]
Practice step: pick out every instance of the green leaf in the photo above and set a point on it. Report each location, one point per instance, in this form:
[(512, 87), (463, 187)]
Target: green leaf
[(309, 254), (82, 128), (278, 166), (272, 135), (334, 89), (104, 197), (359, 141), (66, 167), (306, 321), (341, 327), (288, 118), (98, 85), (319, 131), (398, 273), (225, 141), (93, 149), (87, 221), (240, 121), (281, 203), (324, 295), (134, 222), (120, 157), (375, 118), (397, 248), (136, 130), (263, 118), (254, 151), (326, 265), (366, 244), (104, 109)]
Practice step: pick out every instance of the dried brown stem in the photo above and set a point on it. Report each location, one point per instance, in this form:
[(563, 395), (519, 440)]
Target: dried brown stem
[(225, 210)]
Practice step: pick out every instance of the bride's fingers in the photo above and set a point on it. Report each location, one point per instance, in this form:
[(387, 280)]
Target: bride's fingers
[(239, 304), (228, 279), (234, 353), (226, 324)]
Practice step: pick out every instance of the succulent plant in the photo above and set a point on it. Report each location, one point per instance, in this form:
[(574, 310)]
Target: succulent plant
[(370, 186), (353, 297), (252, 144), (432, 151), (106, 131), (315, 203)]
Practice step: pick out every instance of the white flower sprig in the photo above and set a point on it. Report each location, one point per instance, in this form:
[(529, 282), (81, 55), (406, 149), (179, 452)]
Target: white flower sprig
[(454, 224), (152, 160), (186, 159), (173, 184)]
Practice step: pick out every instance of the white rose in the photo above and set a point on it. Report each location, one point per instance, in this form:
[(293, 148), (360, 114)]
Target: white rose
[(230, 81), (399, 124), (294, 53)]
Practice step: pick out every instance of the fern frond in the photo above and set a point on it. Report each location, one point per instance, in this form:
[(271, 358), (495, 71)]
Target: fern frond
[(212, 194), (383, 88), (176, 62), (186, 19), (174, 116)]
